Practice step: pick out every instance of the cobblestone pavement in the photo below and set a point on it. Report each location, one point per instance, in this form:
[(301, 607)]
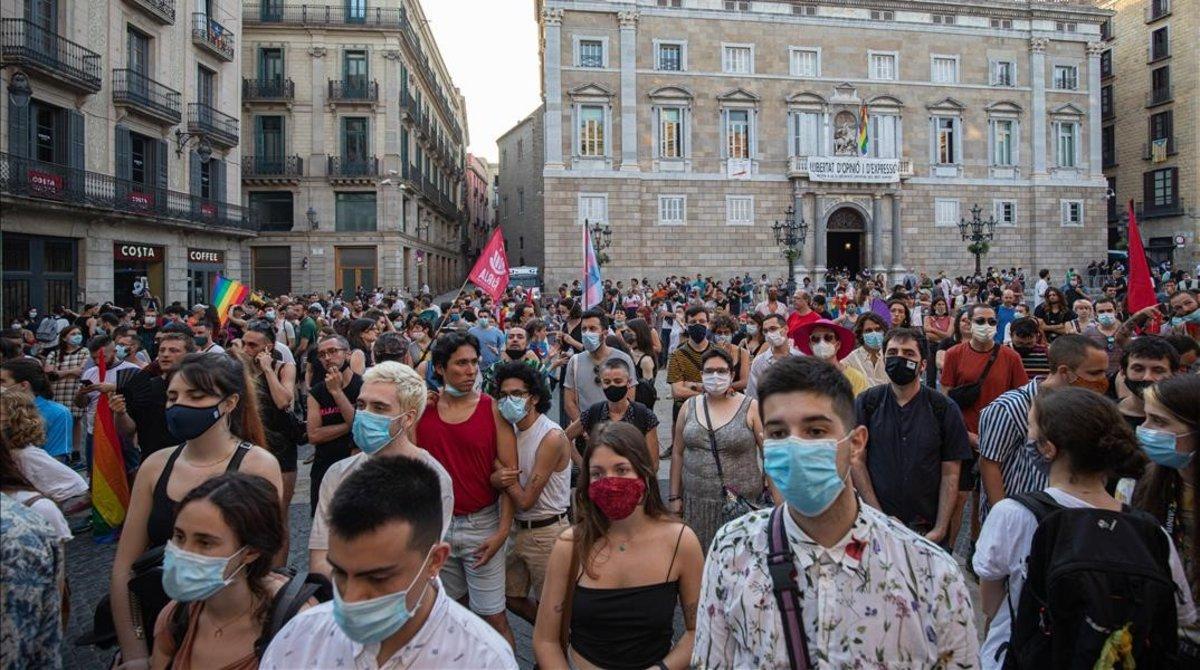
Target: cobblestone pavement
[(89, 564)]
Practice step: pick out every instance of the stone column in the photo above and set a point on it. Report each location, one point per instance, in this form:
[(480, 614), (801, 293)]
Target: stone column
[(822, 257), (1095, 151), (317, 161), (629, 144), (1037, 81), (897, 238), (876, 234), (552, 80), (809, 200)]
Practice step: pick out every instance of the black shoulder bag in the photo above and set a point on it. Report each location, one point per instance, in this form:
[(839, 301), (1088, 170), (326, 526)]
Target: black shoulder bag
[(736, 504), (967, 395)]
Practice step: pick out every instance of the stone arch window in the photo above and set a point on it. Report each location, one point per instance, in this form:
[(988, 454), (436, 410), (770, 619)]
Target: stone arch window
[(808, 124), (739, 124), (885, 136), (591, 134), (1004, 138), (671, 127)]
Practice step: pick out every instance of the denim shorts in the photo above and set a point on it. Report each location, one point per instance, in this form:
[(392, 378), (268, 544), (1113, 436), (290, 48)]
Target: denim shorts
[(485, 584)]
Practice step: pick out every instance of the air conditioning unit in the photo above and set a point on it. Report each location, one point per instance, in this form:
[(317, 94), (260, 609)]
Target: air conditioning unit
[(882, 15)]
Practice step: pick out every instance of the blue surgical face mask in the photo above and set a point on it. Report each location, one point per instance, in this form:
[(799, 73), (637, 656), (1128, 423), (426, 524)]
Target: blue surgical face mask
[(75, 339), (370, 621), (591, 341), (1160, 447), (120, 351), (513, 409), (372, 432), (873, 339), (454, 393), (1106, 319), (1194, 317), (805, 472), (189, 577)]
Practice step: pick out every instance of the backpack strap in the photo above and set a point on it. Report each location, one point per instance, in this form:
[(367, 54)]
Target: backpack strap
[(298, 590), (1038, 502), (29, 502), (235, 463), (782, 569)]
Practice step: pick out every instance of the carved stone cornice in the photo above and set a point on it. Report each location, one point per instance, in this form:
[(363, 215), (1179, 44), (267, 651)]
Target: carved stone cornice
[(1038, 45), (392, 54), (627, 20), (552, 16), (317, 52), (1094, 49)]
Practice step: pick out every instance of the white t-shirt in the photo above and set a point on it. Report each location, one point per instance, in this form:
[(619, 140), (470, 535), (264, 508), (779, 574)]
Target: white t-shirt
[(48, 510), (1001, 550), (48, 475), (318, 536), (285, 354), (92, 375)]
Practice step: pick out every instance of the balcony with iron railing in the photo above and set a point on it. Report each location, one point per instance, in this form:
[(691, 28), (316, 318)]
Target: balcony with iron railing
[(272, 168), (47, 53), (147, 97), (319, 14), (219, 127), (353, 168), (268, 90), (1160, 96), (73, 188), (162, 11), (210, 35), (353, 91)]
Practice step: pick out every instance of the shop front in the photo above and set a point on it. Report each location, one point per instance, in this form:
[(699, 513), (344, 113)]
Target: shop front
[(203, 267), (39, 272), (139, 274)]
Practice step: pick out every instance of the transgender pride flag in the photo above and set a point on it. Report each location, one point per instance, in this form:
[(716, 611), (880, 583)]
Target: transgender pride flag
[(591, 272)]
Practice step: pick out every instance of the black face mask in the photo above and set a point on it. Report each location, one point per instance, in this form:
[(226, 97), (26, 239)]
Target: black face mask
[(901, 370), (697, 332), (615, 393), (515, 354), (1138, 387)]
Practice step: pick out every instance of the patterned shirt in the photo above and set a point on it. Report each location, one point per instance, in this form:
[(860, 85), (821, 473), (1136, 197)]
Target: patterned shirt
[(684, 366), (30, 604), (64, 387), (882, 597), (1002, 438)]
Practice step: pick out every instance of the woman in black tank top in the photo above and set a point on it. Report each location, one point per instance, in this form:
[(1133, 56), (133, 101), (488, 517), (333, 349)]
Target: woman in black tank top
[(612, 583), (213, 410)]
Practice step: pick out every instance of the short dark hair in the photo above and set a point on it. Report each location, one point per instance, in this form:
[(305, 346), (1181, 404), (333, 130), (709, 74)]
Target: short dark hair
[(595, 314), (1152, 347), (774, 315), (1105, 299), (98, 342), (617, 363), (1070, 350), (189, 344), (532, 380), (717, 352), (1183, 344), (694, 310), (1025, 326), (29, 370), (906, 334), (447, 344), (390, 346), (809, 375), (262, 327), (386, 489), (975, 307)]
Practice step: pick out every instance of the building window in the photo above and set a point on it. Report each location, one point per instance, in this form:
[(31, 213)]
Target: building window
[(885, 136), (1108, 146), (1160, 84), (50, 132), (1162, 125), (274, 210), (590, 53), (520, 149), (355, 72), (1160, 45), (1158, 9), (593, 208), (1067, 144), (944, 70), (1112, 199), (805, 62), (355, 212), (672, 210), (1106, 66), (270, 64), (1066, 77), (1106, 102), (670, 132), (670, 56), (354, 139), (739, 210), (806, 134), (591, 130), (1003, 138), (520, 201), (737, 59), (945, 212), (1072, 212), (206, 178), (1004, 73), (1005, 212), (946, 134), (272, 268), (1161, 189), (737, 133), (882, 66)]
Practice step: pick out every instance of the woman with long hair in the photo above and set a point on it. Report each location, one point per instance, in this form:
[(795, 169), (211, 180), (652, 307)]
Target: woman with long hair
[(938, 321), (1170, 437), (212, 409), (962, 331), (361, 335), (754, 342), (216, 618), (64, 367), (1055, 315), (614, 578), (642, 348), (723, 328)]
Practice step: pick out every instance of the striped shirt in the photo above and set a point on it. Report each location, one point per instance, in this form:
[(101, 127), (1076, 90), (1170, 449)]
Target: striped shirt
[(1002, 438)]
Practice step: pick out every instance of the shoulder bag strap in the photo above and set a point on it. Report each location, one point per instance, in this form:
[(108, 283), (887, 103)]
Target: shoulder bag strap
[(712, 438), (29, 502), (235, 463), (988, 368), (564, 625), (782, 569)]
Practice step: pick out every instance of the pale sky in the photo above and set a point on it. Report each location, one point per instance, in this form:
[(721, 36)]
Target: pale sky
[(491, 49)]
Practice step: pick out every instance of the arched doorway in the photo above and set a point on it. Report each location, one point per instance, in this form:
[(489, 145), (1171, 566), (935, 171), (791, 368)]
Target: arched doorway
[(845, 240)]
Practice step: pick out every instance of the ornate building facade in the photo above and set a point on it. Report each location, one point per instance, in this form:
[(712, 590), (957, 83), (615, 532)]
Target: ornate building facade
[(691, 126)]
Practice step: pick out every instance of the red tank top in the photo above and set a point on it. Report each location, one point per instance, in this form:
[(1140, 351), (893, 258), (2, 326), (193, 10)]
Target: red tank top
[(467, 450)]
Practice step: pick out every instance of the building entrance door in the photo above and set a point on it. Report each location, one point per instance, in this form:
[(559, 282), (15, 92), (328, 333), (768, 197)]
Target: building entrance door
[(356, 266), (845, 241)]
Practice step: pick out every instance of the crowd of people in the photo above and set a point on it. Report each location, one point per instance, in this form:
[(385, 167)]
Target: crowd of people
[(843, 459)]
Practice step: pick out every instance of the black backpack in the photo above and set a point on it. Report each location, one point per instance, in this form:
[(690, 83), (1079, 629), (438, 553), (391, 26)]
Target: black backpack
[(1096, 580)]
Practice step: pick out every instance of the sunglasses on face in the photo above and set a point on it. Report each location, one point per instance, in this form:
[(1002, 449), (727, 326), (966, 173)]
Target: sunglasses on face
[(983, 321), (827, 337)]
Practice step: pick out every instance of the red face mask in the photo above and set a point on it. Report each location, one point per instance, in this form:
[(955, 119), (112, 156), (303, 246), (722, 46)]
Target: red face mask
[(617, 497)]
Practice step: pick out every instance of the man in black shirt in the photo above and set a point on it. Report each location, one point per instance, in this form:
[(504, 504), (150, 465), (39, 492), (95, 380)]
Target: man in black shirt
[(331, 411), (140, 405)]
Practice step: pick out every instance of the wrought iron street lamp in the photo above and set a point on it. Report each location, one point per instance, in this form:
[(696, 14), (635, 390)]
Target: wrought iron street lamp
[(601, 239), (790, 235), (979, 232)]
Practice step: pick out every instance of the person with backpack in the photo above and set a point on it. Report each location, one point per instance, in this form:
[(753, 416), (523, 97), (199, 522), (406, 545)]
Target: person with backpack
[(1069, 574), (916, 443), (618, 405), (226, 602)]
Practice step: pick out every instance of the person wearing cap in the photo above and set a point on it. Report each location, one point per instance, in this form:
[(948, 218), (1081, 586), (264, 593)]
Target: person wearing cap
[(831, 343)]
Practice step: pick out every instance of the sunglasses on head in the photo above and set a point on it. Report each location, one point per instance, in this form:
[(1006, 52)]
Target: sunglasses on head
[(982, 320)]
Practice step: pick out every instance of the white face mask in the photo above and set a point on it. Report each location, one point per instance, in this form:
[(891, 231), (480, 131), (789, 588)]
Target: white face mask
[(776, 338), (715, 383), (982, 332), (824, 350)]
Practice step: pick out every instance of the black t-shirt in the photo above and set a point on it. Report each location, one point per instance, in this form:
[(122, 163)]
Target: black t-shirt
[(1053, 318), (146, 403), (637, 415), (338, 447)]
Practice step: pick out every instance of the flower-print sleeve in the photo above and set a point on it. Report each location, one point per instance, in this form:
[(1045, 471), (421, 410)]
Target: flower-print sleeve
[(711, 648), (958, 643)]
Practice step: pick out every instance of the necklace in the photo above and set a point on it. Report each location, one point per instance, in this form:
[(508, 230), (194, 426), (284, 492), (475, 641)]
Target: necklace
[(220, 630), (209, 465)]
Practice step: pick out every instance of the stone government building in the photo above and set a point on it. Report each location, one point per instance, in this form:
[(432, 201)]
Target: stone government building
[(690, 126)]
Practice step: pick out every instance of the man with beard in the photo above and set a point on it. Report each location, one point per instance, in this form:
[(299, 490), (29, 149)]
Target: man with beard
[(516, 349), (1147, 359), (144, 410)]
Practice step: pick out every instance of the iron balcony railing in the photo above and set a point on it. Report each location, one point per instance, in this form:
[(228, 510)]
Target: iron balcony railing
[(272, 167), (268, 89), (72, 187), (353, 90), (27, 44), (217, 126), (211, 35), (143, 94), (1160, 96), (343, 167), (163, 10), (319, 14)]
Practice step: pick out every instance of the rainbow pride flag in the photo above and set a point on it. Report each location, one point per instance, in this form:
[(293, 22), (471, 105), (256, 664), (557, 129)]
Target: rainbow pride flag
[(226, 294), (110, 485), (863, 137)]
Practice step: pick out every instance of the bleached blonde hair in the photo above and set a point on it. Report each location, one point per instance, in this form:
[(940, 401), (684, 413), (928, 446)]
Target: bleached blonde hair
[(410, 387)]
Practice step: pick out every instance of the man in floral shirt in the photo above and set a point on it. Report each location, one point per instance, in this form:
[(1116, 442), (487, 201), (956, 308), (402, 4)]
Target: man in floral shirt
[(872, 593)]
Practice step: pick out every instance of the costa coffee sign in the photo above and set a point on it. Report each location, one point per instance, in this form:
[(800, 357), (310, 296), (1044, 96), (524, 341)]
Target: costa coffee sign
[(206, 256), (137, 252), (141, 200), (45, 184)]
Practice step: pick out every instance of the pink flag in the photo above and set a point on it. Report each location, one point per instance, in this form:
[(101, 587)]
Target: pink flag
[(491, 270)]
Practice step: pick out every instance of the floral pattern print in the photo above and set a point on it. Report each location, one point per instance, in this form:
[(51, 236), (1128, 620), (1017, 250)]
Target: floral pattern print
[(30, 604), (882, 597)]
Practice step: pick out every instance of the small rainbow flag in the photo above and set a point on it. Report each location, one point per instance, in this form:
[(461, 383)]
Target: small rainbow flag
[(110, 485), (862, 130), (226, 294)]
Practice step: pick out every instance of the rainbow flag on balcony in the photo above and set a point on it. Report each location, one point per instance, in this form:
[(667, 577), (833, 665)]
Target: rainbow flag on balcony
[(863, 137), (226, 294)]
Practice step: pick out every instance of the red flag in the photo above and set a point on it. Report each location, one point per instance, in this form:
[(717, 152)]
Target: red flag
[(491, 270), (1140, 293)]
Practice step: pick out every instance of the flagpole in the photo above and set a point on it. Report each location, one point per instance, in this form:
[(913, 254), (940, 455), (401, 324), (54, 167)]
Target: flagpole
[(583, 297), (442, 326)]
